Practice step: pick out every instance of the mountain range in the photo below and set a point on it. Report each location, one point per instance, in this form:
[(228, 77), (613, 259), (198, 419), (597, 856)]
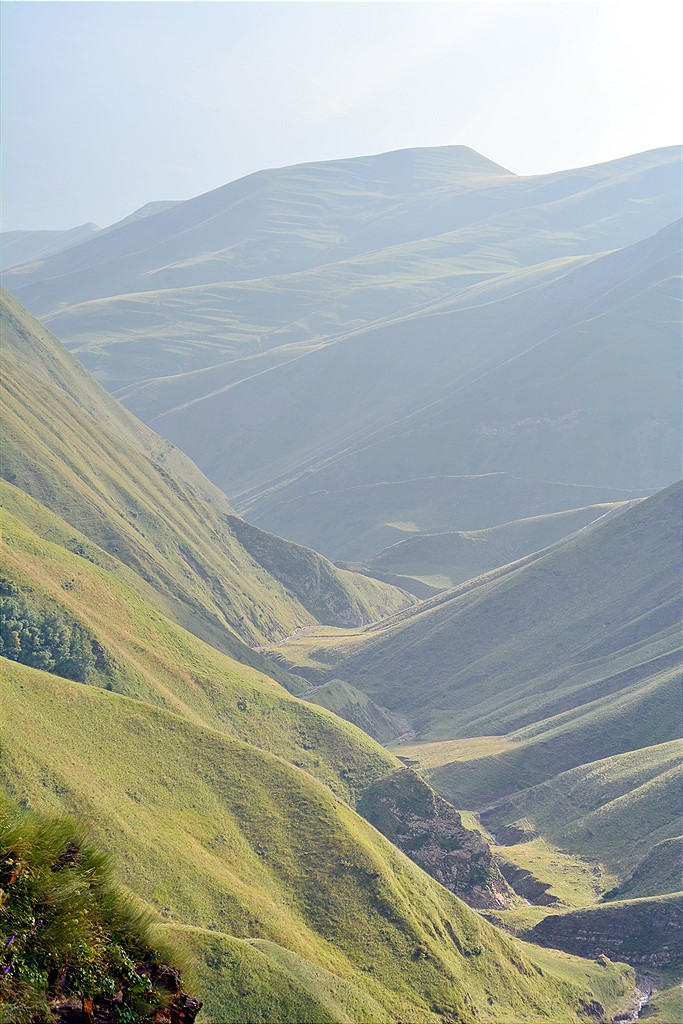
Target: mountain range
[(333, 343), (340, 585)]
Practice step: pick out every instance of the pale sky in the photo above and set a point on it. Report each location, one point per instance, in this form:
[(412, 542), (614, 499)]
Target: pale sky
[(107, 106)]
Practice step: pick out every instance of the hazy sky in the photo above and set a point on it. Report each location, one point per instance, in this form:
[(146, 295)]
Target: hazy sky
[(106, 106)]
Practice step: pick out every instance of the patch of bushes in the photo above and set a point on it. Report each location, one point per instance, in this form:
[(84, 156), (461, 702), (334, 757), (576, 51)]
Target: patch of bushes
[(42, 638)]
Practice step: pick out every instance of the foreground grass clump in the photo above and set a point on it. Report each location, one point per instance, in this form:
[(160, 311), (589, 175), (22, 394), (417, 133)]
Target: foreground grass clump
[(66, 933)]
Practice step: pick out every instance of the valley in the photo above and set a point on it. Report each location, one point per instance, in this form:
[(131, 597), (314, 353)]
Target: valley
[(340, 590)]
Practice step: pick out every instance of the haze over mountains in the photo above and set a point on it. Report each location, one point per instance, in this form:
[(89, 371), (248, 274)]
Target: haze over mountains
[(462, 387), (402, 319)]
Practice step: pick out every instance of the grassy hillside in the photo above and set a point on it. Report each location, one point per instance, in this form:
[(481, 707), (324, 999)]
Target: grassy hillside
[(146, 656), (568, 632), (246, 844), (77, 451), (614, 810), (69, 935), (657, 873), (442, 560), (549, 702), (225, 801), (354, 706)]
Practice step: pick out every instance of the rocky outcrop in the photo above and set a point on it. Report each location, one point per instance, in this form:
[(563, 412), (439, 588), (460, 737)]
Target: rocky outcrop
[(643, 932), (177, 1007), (430, 831)]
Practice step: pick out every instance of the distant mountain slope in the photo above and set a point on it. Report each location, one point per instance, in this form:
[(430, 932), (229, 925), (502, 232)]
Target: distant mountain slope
[(17, 247), (301, 216), (71, 446), (555, 381), (587, 620), (424, 314), (358, 523), (443, 560)]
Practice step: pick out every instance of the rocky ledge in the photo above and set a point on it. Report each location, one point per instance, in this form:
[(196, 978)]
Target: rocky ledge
[(430, 831)]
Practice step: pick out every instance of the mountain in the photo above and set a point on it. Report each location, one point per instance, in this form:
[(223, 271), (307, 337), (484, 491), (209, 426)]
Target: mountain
[(359, 523), (551, 634), (17, 247), (548, 697), (389, 323), (72, 447), (228, 805), (442, 560), (461, 381), (544, 701)]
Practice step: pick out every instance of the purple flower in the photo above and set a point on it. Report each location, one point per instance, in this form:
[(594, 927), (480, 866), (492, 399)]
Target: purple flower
[(10, 940)]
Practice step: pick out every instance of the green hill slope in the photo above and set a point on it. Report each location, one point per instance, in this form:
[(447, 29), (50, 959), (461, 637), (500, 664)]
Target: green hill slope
[(251, 846), (146, 656), (93, 942), (616, 810), (76, 450), (215, 790), (548, 698), (657, 873), (591, 619)]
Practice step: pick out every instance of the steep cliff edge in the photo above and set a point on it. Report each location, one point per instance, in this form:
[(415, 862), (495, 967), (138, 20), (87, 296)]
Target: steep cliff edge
[(639, 932), (430, 831)]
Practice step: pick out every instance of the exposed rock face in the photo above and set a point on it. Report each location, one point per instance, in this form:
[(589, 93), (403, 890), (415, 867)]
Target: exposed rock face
[(180, 1007), (642, 932), (430, 831)]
